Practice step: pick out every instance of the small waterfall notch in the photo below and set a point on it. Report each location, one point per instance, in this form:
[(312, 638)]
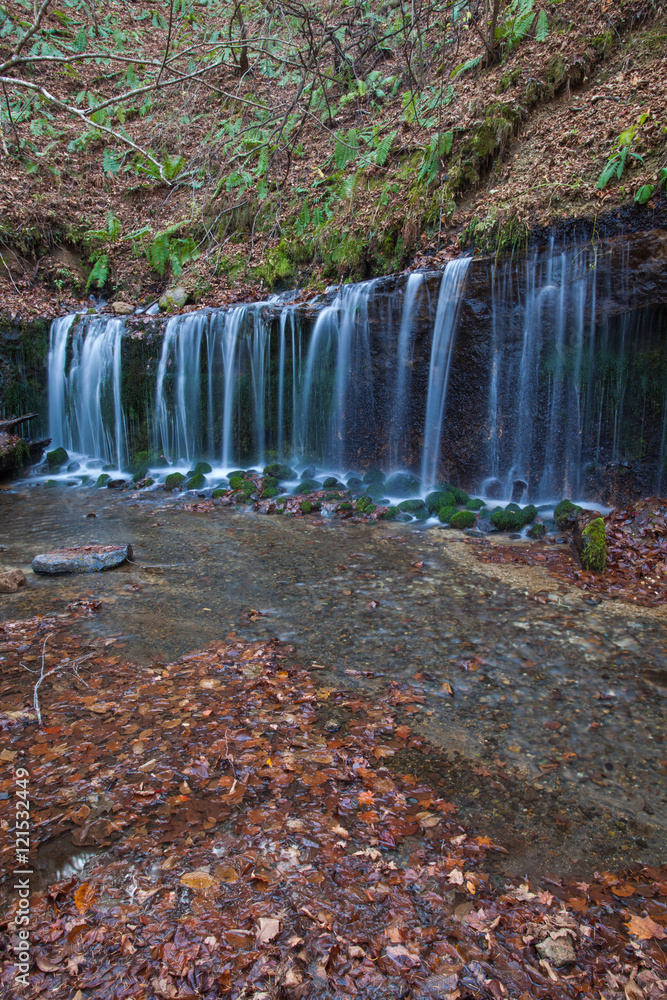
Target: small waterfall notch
[(540, 370)]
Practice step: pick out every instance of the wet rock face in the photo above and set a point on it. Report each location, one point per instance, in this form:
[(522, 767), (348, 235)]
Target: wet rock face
[(81, 559)]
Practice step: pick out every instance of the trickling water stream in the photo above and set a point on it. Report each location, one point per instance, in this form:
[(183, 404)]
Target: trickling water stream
[(543, 370)]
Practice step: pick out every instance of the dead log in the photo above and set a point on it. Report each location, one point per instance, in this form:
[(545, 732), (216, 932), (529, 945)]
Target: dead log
[(11, 422)]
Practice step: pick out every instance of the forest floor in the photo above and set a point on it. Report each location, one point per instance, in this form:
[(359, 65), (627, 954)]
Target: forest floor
[(531, 136), (239, 845)]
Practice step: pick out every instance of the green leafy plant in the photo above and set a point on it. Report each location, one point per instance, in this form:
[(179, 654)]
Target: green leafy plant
[(646, 191), (99, 274), (168, 249), (439, 147), (617, 160)]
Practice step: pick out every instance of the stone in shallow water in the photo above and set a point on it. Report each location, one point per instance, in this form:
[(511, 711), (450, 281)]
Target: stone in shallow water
[(11, 580), (81, 559)]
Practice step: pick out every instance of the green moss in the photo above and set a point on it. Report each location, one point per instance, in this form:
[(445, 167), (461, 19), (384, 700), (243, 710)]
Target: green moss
[(417, 508), (565, 514), (445, 514), (513, 518), (475, 504), (103, 479), (202, 469), (174, 480), (440, 498), (365, 505), (280, 472), (308, 486), (268, 493), (374, 476), (390, 513), (196, 482), (306, 506), (147, 482), (236, 483), (329, 482), (218, 493), (538, 530), (56, 458), (269, 482), (139, 475), (594, 546), (463, 519), (345, 505)]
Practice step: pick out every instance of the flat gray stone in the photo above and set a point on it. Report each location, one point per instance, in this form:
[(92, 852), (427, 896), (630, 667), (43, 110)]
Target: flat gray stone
[(81, 559)]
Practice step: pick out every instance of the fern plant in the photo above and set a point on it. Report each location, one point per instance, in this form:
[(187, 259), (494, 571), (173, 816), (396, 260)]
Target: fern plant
[(434, 154), (99, 274)]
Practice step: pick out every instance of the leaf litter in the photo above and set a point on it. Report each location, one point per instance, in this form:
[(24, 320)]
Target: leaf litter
[(247, 852)]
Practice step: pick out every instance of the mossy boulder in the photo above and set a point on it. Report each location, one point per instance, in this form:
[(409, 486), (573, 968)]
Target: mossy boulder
[(269, 482), (237, 474), (308, 486), (354, 483), (475, 504), (402, 484), (50, 483), (375, 491), (512, 519), (202, 469), (417, 508), (267, 494), (279, 472), (196, 482), (591, 544), (174, 481), (390, 514), (537, 530), (445, 514), (566, 514), (56, 458), (103, 479), (139, 475), (236, 482), (218, 493), (145, 483), (374, 476), (365, 505), (440, 498), (460, 496), (329, 482), (463, 519)]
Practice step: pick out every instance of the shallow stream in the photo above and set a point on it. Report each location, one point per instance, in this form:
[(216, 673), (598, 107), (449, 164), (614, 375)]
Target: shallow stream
[(545, 720)]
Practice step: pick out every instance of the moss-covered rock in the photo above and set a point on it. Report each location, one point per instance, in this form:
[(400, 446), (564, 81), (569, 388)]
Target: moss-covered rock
[(417, 508), (537, 530), (308, 486), (445, 514), (279, 472), (594, 546), (139, 475), (236, 482), (237, 474), (475, 504), (103, 479), (565, 515), (329, 482), (174, 480), (202, 469), (374, 476), (463, 519), (460, 496), (269, 482), (402, 484), (145, 483), (365, 505), (355, 484), (196, 482), (56, 458), (511, 519), (440, 498), (267, 494), (390, 514), (218, 493)]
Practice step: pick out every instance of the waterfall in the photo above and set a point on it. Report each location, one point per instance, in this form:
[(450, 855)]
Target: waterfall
[(85, 407), (444, 328), (543, 369)]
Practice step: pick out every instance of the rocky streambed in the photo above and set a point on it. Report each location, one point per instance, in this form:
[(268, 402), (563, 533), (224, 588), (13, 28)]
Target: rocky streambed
[(540, 710)]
